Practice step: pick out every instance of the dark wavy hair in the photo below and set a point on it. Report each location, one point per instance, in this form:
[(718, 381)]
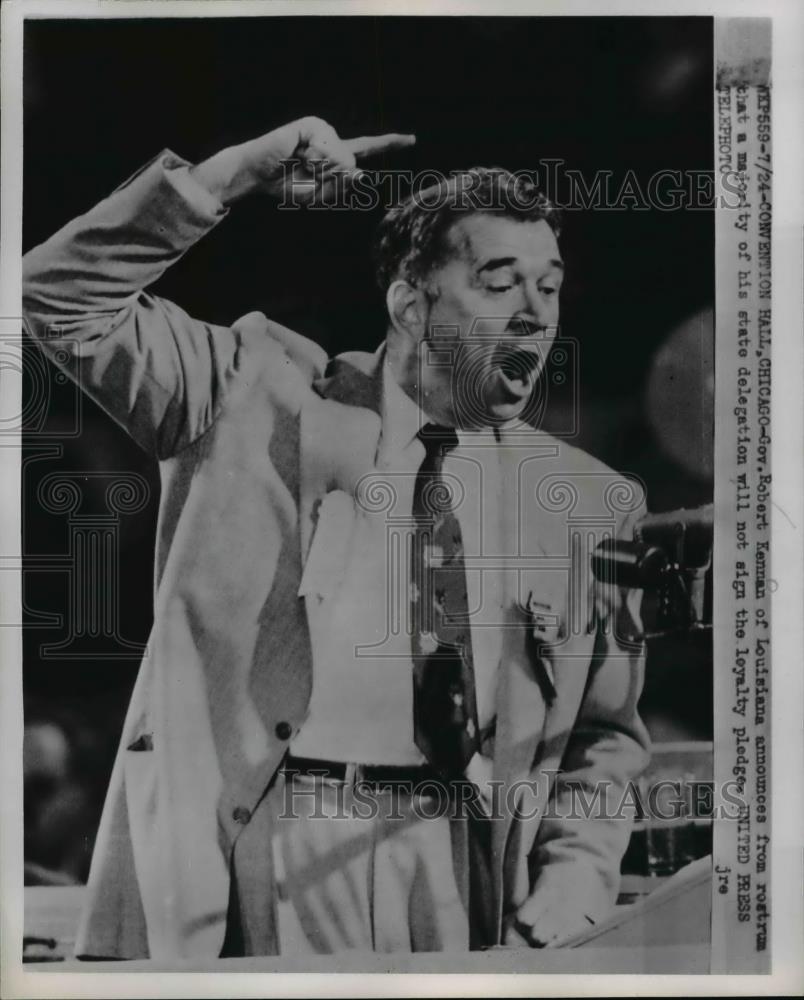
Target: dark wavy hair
[(411, 239)]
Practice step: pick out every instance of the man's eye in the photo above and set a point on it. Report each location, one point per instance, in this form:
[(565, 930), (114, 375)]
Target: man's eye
[(499, 288), (548, 290)]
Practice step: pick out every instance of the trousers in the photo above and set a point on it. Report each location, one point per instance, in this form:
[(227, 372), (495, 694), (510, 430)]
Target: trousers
[(388, 871)]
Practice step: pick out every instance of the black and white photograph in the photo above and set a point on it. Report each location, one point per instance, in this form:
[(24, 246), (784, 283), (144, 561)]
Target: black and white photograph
[(393, 444)]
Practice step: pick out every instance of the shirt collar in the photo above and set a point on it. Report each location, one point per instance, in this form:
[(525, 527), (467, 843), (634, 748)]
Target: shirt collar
[(402, 419)]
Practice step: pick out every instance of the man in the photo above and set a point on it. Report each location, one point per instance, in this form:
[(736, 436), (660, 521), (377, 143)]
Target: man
[(278, 784)]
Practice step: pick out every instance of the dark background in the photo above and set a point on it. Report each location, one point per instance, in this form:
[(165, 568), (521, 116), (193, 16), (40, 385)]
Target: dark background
[(103, 97)]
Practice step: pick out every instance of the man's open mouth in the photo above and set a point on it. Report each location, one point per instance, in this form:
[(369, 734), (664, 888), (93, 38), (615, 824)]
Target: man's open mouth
[(518, 364)]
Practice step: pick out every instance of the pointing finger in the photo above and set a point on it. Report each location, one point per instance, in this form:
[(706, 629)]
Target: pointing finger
[(370, 145)]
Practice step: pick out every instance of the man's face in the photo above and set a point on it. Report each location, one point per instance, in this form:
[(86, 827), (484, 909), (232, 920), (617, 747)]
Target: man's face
[(494, 316)]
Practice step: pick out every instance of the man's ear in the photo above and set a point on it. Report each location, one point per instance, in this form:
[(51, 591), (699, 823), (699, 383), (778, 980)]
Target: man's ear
[(407, 309)]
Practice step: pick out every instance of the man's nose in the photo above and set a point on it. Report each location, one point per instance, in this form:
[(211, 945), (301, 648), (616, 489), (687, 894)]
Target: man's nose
[(524, 324), (528, 321), (534, 311)]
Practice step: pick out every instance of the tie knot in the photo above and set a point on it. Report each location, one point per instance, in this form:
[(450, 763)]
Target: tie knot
[(438, 439)]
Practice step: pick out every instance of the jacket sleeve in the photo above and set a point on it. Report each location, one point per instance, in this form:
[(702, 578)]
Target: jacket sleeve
[(584, 835), (157, 371)]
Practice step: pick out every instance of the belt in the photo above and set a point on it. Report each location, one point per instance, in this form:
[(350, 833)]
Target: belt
[(408, 778), (374, 774)]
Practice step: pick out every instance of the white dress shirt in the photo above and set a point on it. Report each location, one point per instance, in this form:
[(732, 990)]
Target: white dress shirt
[(361, 708)]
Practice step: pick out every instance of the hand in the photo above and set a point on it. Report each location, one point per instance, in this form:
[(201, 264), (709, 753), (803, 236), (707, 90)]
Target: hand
[(546, 918), (280, 162)]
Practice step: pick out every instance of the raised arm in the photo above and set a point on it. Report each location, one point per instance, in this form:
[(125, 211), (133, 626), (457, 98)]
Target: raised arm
[(160, 373)]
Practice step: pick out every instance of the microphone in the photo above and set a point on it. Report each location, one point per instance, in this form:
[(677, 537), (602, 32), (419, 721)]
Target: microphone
[(670, 554), (698, 518), (688, 533)]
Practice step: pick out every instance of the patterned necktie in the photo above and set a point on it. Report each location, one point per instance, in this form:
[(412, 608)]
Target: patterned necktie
[(444, 707)]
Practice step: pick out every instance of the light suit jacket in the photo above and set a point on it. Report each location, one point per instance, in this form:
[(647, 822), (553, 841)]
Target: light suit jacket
[(252, 428)]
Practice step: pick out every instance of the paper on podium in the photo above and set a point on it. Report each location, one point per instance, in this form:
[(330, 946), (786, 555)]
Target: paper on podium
[(679, 912)]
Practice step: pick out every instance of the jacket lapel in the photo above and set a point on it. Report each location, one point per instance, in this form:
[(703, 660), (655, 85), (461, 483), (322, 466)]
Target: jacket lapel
[(340, 431), (355, 379), (535, 688)]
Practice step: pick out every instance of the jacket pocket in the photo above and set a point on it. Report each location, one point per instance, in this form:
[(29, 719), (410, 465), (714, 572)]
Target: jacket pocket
[(144, 742)]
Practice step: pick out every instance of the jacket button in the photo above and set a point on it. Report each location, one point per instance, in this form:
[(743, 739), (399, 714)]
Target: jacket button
[(241, 815), (283, 730)]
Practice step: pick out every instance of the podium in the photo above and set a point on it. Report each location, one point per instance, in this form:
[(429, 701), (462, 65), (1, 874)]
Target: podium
[(668, 931), (679, 912)]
